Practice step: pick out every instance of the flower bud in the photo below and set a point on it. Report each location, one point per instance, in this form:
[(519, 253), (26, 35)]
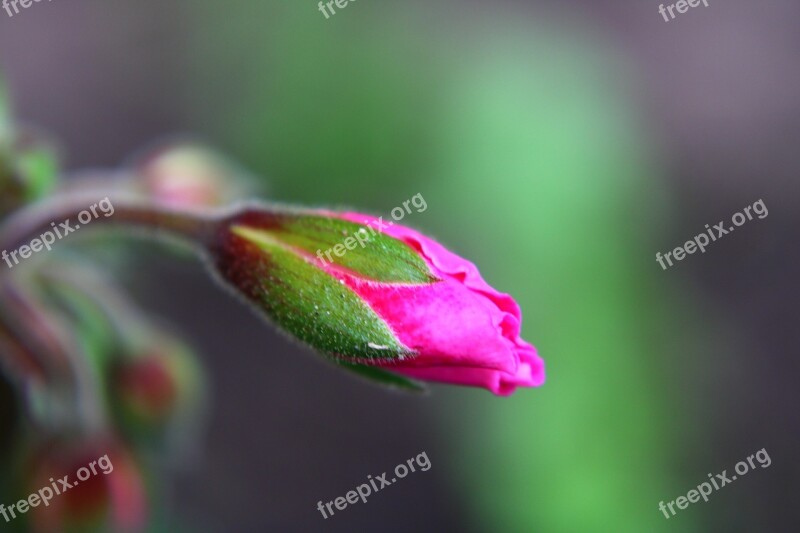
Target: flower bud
[(104, 491), (377, 296), (157, 394), (186, 175), (28, 165), (152, 378), (37, 162), (28, 169)]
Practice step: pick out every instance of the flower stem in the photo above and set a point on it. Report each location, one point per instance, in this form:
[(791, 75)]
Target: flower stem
[(35, 221), (66, 369), (74, 393)]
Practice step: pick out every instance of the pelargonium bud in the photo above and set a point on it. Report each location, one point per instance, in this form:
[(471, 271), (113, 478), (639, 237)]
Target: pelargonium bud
[(188, 175), (109, 496), (147, 389), (378, 298), (28, 164), (28, 168), (152, 378), (157, 394)]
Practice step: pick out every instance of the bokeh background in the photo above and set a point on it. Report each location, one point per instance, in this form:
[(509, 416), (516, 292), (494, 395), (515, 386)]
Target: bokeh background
[(559, 145)]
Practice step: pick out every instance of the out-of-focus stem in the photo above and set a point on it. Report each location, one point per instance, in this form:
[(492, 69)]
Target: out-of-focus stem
[(46, 363), (127, 321), (30, 331), (32, 222), (66, 371)]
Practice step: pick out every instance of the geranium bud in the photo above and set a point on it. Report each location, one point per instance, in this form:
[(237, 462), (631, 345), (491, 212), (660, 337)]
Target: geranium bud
[(152, 378), (147, 389), (156, 393), (186, 175), (376, 296), (28, 169), (109, 497)]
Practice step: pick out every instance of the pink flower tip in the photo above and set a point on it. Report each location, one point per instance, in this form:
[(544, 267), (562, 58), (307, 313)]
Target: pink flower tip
[(461, 330)]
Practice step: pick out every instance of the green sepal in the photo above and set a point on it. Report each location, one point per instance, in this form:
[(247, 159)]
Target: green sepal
[(380, 258), (383, 377), (305, 300)]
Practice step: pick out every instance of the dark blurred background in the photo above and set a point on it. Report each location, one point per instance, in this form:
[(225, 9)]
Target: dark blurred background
[(559, 145)]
